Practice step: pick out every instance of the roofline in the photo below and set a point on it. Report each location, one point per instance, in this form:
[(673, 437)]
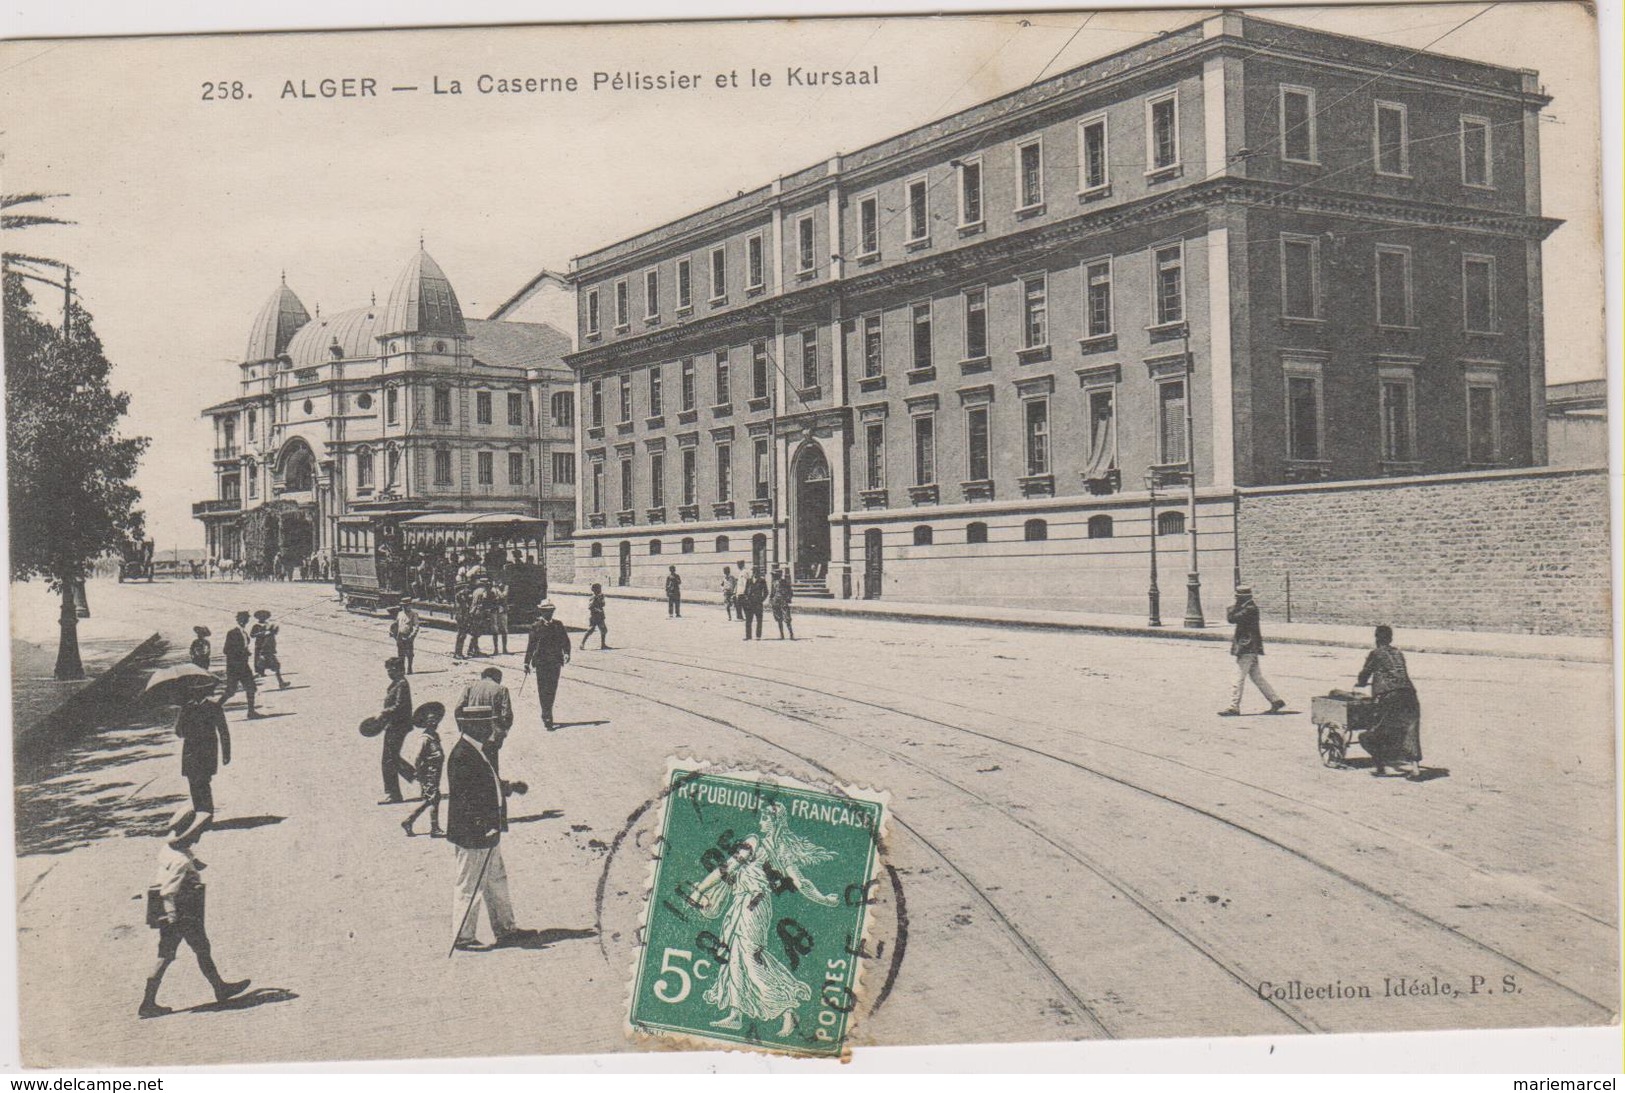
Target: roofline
[(562, 278)]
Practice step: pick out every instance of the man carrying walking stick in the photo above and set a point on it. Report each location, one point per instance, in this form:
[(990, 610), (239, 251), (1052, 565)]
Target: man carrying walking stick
[(474, 830)]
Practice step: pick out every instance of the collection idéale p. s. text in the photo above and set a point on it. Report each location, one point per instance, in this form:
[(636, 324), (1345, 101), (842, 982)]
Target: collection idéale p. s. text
[(319, 88)]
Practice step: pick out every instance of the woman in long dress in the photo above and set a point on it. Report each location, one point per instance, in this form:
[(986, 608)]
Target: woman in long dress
[(1395, 741), (753, 982)]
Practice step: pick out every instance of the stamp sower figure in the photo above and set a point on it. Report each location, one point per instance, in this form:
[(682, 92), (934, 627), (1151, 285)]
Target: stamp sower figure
[(405, 632), (780, 601), (1395, 742), (674, 593), (205, 741), (201, 652), (546, 654), (239, 666), (430, 763), (265, 659), (1247, 646), (750, 601), (397, 719), (730, 586), (178, 891), (595, 619), (474, 829)]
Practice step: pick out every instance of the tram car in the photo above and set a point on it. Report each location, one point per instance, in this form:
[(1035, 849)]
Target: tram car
[(385, 557)]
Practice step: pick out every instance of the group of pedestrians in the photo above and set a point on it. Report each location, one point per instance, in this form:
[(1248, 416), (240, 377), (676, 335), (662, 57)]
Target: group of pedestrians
[(747, 598)]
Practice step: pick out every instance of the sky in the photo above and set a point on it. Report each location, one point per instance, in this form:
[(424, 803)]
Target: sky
[(188, 211)]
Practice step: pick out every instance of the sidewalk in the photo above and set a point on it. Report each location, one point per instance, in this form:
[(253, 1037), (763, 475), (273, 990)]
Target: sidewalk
[(1463, 642)]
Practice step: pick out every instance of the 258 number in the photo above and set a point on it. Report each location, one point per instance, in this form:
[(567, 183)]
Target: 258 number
[(224, 90)]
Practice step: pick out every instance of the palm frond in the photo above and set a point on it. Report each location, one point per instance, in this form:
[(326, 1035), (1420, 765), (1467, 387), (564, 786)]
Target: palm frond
[(8, 200), (7, 223)]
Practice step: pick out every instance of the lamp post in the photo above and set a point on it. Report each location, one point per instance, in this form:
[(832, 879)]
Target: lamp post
[(1193, 579), (1153, 593)]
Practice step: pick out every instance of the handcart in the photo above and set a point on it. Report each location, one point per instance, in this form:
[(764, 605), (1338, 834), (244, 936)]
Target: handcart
[(1340, 717)]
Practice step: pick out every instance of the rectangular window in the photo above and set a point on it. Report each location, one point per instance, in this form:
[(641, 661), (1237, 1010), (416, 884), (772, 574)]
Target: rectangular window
[(975, 323), (486, 469), (685, 284), (869, 225), (1475, 151), (874, 455), (809, 357), (719, 274), (392, 410), (1298, 143), (925, 449), (1483, 425), (563, 405), (725, 472), (564, 468), (724, 387), (804, 244), (482, 407), (1300, 277), (1391, 141), (1093, 172), (1102, 431), (976, 444), (626, 397), (597, 404), (1478, 293), (592, 312), (651, 294), (1162, 120), (758, 370), (442, 406), (363, 470), (657, 479), (1393, 286), (1035, 311), (1398, 421), (1030, 164), (623, 306), (1303, 424), (689, 394), (442, 467), (873, 359), (970, 192), (1171, 422), (626, 483), (657, 403), (516, 408), (922, 335), (1169, 263), (763, 464), (1036, 413), (755, 266), (1097, 280), (516, 468), (597, 487), (919, 224)]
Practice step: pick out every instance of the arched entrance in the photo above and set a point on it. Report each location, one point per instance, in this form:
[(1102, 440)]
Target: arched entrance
[(811, 505)]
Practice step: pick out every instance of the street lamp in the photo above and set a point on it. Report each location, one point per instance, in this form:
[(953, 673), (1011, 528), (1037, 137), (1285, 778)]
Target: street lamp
[(1153, 593), (1193, 580)]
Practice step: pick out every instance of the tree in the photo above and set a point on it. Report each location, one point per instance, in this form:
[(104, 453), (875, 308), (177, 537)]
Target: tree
[(69, 471)]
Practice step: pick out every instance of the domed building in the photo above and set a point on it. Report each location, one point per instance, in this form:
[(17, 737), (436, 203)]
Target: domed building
[(401, 403)]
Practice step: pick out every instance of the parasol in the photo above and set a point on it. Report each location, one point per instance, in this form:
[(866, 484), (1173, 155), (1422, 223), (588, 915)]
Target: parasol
[(179, 676)]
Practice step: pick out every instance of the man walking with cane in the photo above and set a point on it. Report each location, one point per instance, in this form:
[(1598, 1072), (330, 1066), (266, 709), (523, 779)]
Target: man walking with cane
[(546, 654), (474, 830)]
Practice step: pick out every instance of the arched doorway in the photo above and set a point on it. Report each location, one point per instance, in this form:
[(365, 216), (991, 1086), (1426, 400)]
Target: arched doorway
[(812, 500), (758, 553), (624, 578), (871, 564), (296, 467)]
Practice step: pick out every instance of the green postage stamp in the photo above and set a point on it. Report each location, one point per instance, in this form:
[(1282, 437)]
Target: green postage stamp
[(754, 932)]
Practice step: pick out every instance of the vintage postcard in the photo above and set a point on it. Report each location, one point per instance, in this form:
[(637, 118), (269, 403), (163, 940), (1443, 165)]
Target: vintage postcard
[(1117, 499)]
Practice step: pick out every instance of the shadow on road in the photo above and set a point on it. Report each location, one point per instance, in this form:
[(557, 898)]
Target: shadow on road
[(577, 724), (246, 823), (549, 814), (544, 939), (260, 996)]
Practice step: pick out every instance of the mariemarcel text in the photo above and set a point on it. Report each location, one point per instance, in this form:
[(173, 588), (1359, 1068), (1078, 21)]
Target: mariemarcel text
[(489, 83)]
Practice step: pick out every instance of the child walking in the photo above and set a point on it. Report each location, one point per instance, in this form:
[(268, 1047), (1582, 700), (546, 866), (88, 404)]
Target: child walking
[(595, 619), (175, 909), (431, 761)]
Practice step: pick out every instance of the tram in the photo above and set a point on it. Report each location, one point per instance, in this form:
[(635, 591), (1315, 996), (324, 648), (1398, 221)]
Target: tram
[(387, 556)]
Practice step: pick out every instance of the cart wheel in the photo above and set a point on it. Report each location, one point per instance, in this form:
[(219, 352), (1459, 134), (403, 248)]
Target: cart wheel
[(1333, 748)]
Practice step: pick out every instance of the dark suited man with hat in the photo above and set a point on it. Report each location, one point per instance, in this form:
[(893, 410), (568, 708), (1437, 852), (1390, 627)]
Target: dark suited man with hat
[(397, 719), (1247, 646), (546, 654)]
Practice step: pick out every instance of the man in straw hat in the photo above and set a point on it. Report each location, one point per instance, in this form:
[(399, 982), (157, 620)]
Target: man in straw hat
[(474, 830), (404, 629), (1247, 646), (175, 909), (547, 652)]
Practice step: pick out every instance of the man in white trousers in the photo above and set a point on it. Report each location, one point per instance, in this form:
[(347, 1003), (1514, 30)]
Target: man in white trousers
[(1247, 646), (474, 829)]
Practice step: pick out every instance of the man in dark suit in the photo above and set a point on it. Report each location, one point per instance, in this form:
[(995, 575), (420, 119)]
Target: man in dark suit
[(239, 663), (397, 719), (1247, 646), (751, 598), (546, 654), (474, 830), (205, 741)]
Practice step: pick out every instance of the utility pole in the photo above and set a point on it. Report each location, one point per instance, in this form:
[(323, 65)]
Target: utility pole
[(773, 433), (1193, 580), (1153, 593)]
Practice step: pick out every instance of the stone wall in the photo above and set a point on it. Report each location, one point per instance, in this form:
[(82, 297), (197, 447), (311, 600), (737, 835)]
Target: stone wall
[(1522, 551)]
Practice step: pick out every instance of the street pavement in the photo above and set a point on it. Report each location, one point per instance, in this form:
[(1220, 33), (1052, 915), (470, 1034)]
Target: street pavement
[(1084, 848)]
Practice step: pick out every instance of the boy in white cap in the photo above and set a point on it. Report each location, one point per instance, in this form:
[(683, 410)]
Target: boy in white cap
[(175, 908)]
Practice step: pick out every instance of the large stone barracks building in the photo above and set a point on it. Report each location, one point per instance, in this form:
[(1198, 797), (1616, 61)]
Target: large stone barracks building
[(950, 366), (404, 401)]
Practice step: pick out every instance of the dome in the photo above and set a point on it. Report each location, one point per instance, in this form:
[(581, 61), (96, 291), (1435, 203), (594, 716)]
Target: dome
[(355, 332), (422, 301), (275, 325)]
